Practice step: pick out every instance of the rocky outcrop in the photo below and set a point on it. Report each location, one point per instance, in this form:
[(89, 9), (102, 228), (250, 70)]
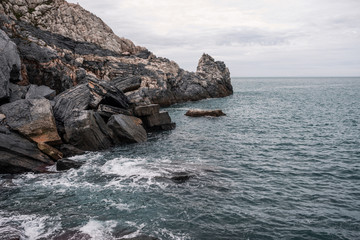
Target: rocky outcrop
[(20, 155), (33, 118), (153, 119), (10, 65), (203, 113)]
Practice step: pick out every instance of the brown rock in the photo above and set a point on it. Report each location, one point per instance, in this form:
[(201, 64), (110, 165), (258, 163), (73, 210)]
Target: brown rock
[(50, 151), (33, 118), (202, 113)]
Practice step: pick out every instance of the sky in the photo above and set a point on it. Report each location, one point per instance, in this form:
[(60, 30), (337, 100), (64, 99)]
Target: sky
[(255, 38)]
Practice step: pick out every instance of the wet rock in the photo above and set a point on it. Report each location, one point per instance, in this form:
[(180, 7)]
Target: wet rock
[(87, 131), (66, 164), (50, 151), (147, 110), (107, 111), (33, 118), (42, 91), (72, 235), (157, 120), (181, 177), (202, 113), (69, 150), (127, 129), (19, 155)]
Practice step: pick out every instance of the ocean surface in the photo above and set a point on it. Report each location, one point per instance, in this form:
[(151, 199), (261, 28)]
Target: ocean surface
[(283, 164)]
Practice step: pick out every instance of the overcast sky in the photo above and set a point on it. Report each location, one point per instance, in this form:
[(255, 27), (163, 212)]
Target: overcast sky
[(253, 37)]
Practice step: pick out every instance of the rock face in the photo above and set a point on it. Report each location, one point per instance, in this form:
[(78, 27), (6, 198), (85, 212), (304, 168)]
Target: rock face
[(10, 65), (33, 118), (202, 113), (20, 155)]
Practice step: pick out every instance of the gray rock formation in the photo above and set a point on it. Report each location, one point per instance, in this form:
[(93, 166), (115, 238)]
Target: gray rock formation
[(127, 129), (33, 118), (20, 155), (10, 65), (35, 92)]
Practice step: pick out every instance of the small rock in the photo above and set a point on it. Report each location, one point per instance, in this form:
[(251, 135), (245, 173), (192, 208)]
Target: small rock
[(42, 91), (181, 177), (202, 113), (147, 110), (127, 129), (50, 151), (66, 164), (17, 92)]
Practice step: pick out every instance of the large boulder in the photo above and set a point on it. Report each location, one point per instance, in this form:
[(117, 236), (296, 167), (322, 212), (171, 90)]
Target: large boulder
[(127, 129), (204, 113), (87, 131), (10, 65), (159, 121), (19, 155), (33, 118)]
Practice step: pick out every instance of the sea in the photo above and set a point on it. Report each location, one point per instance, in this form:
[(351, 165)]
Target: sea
[(284, 163)]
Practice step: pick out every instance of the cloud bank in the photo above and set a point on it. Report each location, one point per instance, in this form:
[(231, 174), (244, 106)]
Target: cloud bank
[(254, 38)]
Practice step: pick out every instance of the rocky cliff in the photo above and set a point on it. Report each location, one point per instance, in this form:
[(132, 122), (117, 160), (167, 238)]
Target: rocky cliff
[(68, 82)]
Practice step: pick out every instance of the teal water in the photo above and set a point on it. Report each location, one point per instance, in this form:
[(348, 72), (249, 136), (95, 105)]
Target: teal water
[(283, 164)]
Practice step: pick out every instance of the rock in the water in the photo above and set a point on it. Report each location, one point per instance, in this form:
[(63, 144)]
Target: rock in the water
[(19, 155), (10, 65), (33, 118), (42, 91), (127, 129), (66, 164), (147, 110), (69, 150), (202, 113), (159, 121), (50, 151), (181, 177), (73, 235), (87, 131)]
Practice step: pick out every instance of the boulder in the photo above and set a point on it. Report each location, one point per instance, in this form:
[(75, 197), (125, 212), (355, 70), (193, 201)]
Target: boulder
[(33, 118), (50, 151), (161, 121), (42, 91), (107, 111), (147, 110), (180, 177), (202, 113), (66, 164), (17, 92), (19, 155), (69, 150), (127, 84), (127, 129), (87, 131), (10, 65)]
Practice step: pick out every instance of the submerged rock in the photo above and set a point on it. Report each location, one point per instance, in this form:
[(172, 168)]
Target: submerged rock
[(66, 164), (181, 177), (202, 113)]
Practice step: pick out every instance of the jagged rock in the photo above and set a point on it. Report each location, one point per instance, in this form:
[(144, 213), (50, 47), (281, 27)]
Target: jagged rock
[(87, 131), (76, 98), (19, 155), (33, 118), (17, 92), (127, 129), (107, 111), (10, 65), (50, 151), (147, 110), (158, 119), (69, 150), (127, 84), (66, 164), (35, 92), (202, 113)]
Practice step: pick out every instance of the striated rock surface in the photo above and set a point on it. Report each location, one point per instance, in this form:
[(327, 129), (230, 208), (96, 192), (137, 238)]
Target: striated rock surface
[(33, 118), (127, 129)]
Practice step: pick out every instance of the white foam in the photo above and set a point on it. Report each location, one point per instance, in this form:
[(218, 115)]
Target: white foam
[(99, 230)]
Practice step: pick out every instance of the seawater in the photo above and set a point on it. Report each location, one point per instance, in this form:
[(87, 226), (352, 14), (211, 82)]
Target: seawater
[(283, 164)]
